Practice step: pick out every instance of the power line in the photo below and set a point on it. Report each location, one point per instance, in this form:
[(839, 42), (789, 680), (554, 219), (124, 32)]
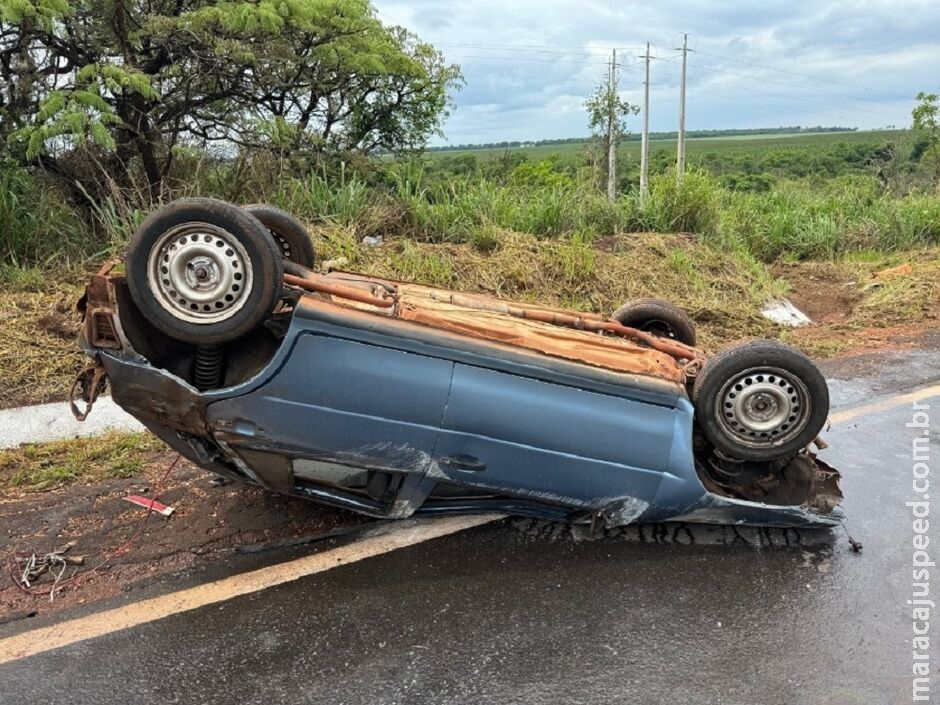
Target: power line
[(680, 146), (612, 126), (645, 139), (583, 55), (792, 73), (805, 99), (569, 58), (711, 93), (802, 87), (828, 103), (579, 51), (592, 51), (697, 67)]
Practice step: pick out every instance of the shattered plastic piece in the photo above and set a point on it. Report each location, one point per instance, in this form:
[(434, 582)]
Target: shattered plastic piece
[(146, 503), (783, 311)]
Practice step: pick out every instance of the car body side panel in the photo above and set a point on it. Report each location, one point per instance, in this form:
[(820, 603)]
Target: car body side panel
[(342, 404), (556, 443)]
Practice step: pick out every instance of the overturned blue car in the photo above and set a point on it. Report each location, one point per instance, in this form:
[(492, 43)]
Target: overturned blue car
[(393, 399)]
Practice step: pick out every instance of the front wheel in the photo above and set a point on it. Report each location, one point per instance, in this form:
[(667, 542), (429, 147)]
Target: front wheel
[(203, 271), (761, 400)]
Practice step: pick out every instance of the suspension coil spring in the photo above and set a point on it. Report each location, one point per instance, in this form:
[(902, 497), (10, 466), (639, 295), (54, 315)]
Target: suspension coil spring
[(208, 373)]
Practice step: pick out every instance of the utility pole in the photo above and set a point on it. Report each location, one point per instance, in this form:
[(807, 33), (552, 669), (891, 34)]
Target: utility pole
[(645, 145), (612, 129), (680, 157)]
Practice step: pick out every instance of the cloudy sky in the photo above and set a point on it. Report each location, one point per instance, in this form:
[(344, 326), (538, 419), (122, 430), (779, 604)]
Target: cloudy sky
[(528, 64)]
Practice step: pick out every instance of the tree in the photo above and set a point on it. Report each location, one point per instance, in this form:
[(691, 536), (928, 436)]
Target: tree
[(135, 79), (607, 120), (926, 124)]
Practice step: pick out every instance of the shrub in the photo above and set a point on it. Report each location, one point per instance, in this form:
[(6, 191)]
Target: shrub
[(687, 206)]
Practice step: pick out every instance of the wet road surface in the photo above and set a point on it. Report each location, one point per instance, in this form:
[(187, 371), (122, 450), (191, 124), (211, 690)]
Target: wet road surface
[(517, 611)]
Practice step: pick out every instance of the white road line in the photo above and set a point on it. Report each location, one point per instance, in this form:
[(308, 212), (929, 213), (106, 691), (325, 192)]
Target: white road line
[(885, 404), (50, 422), (391, 538)]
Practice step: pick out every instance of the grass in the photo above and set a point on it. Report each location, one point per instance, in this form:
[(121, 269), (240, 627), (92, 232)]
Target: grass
[(36, 224), (794, 221), (722, 290), (39, 354), (836, 205), (42, 466), (899, 294)]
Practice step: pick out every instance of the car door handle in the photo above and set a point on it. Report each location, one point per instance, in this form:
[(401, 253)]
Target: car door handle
[(464, 462)]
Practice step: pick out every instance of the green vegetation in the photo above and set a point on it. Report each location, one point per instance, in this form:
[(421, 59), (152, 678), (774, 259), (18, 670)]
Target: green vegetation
[(108, 109), (458, 200), (778, 155), (42, 466), (114, 83)]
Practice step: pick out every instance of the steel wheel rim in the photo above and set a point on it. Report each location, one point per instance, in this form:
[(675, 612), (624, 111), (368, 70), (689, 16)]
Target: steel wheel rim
[(763, 407), (200, 273), (282, 243), (659, 328)]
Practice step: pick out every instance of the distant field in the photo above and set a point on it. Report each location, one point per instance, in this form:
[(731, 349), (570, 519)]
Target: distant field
[(694, 146)]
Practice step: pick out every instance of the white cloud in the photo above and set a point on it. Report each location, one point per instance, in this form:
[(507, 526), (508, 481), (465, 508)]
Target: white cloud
[(530, 63)]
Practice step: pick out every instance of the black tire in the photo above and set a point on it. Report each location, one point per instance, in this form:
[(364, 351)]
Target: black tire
[(290, 235), (199, 238), (658, 317), (760, 400)]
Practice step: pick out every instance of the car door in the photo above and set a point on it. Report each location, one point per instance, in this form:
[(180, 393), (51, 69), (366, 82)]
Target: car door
[(551, 442), (338, 406)]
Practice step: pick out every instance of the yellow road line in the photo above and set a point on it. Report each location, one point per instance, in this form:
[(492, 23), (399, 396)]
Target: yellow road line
[(885, 404), (44, 639)]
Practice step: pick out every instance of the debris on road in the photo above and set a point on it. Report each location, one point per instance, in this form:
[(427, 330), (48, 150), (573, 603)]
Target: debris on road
[(152, 504), (783, 311), (207, 526), (29, 567)]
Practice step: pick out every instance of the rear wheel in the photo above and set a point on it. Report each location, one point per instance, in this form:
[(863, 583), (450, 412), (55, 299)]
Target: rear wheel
[(288, 232), (203, 271), (761, 400), (657, 317)]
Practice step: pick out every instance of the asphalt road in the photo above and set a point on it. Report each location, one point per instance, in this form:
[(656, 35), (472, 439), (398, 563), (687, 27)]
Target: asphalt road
[(518, 612)]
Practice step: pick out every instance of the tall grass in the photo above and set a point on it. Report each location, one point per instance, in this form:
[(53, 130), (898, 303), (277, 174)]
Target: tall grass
[(795, 220), (36, 225), (345, 202)]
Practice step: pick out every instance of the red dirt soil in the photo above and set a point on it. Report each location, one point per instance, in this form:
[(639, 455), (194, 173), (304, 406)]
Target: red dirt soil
[(208, 524)]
